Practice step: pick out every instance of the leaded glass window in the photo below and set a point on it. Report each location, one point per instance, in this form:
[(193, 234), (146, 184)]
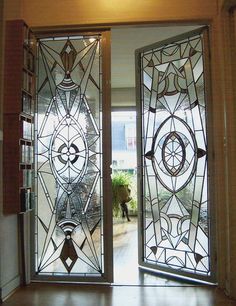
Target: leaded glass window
[(68, 160), (174, 157)]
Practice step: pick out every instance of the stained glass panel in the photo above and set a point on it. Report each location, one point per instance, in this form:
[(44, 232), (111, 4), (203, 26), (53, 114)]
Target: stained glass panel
[(69, 200), (175, 192)]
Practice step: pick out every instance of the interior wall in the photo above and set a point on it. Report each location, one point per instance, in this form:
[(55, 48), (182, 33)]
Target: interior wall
[(216, 138), (83, 12), (12, 9), (227, 66), (225, 4), (232, 221), (123, 97), (1, 95)]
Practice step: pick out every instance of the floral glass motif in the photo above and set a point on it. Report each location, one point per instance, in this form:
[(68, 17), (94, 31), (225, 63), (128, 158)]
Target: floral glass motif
[(69, 236), (174, 157)]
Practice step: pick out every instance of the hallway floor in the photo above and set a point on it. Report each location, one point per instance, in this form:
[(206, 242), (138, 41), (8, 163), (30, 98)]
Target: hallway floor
[(132, 287), (100, 295), (126, 270)]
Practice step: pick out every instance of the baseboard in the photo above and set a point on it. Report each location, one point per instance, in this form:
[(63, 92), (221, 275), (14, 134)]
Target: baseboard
[(10, 287)]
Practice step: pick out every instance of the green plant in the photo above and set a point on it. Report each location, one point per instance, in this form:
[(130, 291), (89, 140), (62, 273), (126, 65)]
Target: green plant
[(121, 178), (122, 183), (133, 204)]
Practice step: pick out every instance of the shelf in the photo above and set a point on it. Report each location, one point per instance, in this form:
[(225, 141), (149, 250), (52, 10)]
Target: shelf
[(27, 81), (18, 120), (28, 71), (29, 59), (27, 92), (25, 197), (26, 166), (27, 102), (26, 142), (26, 117)]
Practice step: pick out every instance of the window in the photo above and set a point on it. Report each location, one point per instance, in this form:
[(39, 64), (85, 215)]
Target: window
[(124, 140)]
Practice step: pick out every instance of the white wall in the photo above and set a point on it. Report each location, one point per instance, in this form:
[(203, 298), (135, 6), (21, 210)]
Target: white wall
[(9, 255), (123, 97)]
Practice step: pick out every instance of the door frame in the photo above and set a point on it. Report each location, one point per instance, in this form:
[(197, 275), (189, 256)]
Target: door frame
[(210, 157), (106, 223), (58, 30)]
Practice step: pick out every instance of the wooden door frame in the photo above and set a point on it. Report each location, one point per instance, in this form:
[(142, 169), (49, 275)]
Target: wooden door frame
[(226, 27), (216, 114)]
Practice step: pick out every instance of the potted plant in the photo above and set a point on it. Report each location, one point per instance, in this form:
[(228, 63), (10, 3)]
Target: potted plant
[(121, 193)]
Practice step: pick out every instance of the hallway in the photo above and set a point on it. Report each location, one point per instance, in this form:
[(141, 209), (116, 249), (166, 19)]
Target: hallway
[(100, 295)]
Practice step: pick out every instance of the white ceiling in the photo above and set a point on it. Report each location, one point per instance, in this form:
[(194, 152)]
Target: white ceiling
[(124, 42)]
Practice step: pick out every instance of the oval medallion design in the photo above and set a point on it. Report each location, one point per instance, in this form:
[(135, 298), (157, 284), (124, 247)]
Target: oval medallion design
[(173, 154), (68, 153)]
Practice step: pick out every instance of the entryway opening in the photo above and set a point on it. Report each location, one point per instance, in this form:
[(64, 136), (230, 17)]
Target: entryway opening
[(124, 200), (125, 206), (167, 103)]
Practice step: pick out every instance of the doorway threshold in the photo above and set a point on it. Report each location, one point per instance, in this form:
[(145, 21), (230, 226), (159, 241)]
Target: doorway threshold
[(126, 269)]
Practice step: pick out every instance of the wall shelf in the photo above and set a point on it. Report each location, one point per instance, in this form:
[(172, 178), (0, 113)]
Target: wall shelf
[(18, 121)]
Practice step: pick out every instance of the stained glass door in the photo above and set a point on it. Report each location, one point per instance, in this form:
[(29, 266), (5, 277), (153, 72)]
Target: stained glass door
[(175, 232), (72, 160)]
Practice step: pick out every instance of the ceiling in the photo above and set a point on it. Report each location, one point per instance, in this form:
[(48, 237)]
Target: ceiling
[(124, 42)]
